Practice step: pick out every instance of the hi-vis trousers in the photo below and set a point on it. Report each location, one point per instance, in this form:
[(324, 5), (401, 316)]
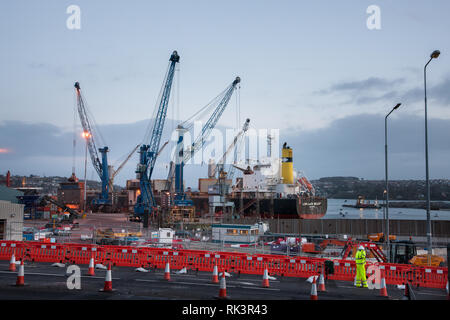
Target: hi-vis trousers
[(361, 280)]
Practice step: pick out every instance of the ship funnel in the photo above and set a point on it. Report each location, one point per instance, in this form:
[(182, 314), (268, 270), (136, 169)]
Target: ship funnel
[(287, 167)]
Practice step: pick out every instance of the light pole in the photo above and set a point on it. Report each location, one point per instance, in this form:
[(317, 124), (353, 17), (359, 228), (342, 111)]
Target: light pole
[(86, 135), (386, 176), (433, 55)]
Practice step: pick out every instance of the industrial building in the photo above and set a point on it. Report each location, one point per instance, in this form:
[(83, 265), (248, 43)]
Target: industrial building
[(71, 193), (9, 194), (11, 220)]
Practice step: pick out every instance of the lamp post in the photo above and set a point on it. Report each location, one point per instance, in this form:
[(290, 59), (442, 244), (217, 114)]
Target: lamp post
[(86, 135), (434, 55), (386, 177)]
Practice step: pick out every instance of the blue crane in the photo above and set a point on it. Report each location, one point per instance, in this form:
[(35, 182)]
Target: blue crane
[(183, 156), (100, 166), (104, 171), (145, 202)]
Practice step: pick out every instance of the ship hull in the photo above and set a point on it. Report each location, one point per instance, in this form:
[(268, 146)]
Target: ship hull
[(278, 208), (282, 208)]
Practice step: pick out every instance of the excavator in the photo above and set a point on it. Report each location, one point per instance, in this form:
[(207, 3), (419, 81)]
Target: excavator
[(404, 251)]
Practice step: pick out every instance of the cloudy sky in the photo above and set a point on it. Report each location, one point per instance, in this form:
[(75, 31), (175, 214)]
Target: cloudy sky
[(314, 70)]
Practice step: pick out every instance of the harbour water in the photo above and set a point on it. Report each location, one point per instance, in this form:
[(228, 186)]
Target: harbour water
[(337, 211)]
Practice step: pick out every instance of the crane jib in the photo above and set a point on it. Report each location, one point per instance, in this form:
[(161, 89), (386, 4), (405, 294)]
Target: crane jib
[(149, 153), (211, 123)]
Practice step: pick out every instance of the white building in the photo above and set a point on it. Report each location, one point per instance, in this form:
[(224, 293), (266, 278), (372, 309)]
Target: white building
[(163, 235), (11, 221), (236, 233)]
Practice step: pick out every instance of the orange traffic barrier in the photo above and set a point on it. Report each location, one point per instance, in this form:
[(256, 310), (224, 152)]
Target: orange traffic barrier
[(203, 260), (265, 282), (12, 263), (21, 275), (223, 287), (91, 271), (322, 283), (167, 272), (215, 278), (314, 290)]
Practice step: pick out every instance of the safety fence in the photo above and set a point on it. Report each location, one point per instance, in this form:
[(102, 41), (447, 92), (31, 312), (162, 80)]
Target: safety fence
[(235, 262)]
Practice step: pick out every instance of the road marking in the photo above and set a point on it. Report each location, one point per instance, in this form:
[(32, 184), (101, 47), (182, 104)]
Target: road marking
[(178, 282), (205, 284), (430, 294), (205, 277), (269, 289), (348, 287), (53, 274)]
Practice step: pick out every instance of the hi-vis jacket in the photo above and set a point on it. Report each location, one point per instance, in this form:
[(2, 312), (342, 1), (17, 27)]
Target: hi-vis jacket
[(361, 257)]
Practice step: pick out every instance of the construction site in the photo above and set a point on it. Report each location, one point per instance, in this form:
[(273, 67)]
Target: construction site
[(254, 227), (194, 238)]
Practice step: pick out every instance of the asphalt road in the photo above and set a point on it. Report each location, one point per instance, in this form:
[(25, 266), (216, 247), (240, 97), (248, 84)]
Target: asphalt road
[(44, 281)]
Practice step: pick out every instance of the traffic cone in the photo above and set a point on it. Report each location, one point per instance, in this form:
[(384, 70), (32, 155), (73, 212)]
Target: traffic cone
[(215, 278), (108, 280), (322, 283), (407, 295), (314, 290), (448, 292), (167, 272), (21, 275), (265, 282), (223, 287), (383, 289), (12, 263), (91, 271)]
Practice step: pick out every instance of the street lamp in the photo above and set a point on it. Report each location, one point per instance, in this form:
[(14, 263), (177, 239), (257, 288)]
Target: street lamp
[(434, 55), (86, 135), (386, 176)]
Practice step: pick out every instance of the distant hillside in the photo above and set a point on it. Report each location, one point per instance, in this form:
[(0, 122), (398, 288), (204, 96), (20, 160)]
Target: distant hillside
[(49, 185), (352, 187)]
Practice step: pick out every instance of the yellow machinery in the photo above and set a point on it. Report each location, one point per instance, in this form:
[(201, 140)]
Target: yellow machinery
[(422, 260), (109, 235), (287, 167), (379, 237), (181, 213)]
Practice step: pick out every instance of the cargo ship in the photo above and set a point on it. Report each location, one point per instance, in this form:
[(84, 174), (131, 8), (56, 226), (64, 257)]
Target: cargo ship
[(271, 189), (268, 189)]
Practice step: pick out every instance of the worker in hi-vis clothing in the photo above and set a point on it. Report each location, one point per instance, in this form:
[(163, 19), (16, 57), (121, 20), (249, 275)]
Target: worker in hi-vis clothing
[(361, 268)]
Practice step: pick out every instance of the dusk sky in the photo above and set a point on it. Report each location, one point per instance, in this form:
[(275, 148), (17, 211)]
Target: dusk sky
[(312, 69)]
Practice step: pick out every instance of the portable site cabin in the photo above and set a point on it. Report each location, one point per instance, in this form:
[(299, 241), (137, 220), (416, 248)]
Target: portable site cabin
[(163, 235), (235, 233)]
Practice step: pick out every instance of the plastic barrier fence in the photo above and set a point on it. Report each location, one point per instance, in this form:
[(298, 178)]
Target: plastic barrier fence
[(284, 266)]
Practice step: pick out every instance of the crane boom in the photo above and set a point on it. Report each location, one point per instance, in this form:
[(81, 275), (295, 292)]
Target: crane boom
[(184, 156), (148, 153), (100, 166), (87, 128), (211, 123), (234, 145), (113, 175)]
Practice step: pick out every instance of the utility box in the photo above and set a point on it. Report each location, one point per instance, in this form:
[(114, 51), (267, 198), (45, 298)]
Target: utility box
[(163, 235)]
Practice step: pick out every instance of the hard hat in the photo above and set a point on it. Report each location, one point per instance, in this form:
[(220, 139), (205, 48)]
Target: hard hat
[(361, 248)]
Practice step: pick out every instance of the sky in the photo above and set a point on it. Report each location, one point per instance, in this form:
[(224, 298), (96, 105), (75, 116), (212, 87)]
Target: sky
[(313, 70)]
